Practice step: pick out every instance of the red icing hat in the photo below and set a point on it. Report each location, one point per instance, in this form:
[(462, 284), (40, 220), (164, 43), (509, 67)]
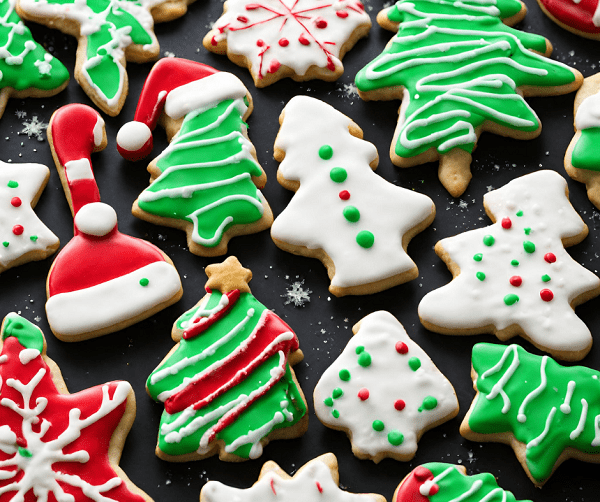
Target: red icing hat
[(134, 140)]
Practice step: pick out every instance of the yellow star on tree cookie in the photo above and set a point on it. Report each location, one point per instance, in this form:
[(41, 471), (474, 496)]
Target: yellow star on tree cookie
[(227, 276)]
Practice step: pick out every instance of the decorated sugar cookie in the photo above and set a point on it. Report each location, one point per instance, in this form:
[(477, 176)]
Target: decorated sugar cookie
[(102, 280), (228, 385), (548, 413), (515, 277), (24, 236), (207, 180), (384, 391), (440, 482), (109, 33), (355, 222), (317, 480), (459, 70), (56, 445), (300, 39), (578, 16)]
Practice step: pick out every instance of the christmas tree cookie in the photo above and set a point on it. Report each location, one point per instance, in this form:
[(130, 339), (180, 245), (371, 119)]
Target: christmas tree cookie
[(440, 482), (355, 222), (359, 392), (102, 280), (548, 413), (459, 70), (56, 445), (301, 39), (582, 159), (318, 480), (228, 386), (206, 182), (515, 277), (26, 69), (24, 236)]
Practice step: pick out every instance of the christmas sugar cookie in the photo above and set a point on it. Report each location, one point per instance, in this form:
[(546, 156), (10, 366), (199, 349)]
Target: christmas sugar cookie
[(440, 482), (355, 222), (457, 79), (56, 445), (300, 39), (359, 392), (24, 237), (548, 413), (582, 159), (26, 69), (578, 16), (102, 280), (228, 385), (515, 277), (206, 182), (317, 480), (109, 33)]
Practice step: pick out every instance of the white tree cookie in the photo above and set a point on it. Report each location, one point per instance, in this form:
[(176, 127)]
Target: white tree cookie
[(384, 391), (515, 277), (355, 222)]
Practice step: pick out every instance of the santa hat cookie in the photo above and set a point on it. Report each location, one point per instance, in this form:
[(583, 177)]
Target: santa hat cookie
[(578, 16), (207, 180), (102, 280)]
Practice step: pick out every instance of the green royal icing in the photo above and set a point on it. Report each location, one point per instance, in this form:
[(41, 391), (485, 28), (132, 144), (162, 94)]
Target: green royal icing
[(480, 276), (378, 425), (28, 334), (514, 263), (519, 213), (395, 438), (478, 257), (429, 403), (539, 410), (529, 247), (447, 99), (546, 278), (144, 282), (344, 375), (586, 154), (6, 244), (511, 299), (351, 213), (338, 174), (489, 240), (365, 239), (325, 152), (337, 393), (414, 363), (12, 184), (364, 359), (182, 194)]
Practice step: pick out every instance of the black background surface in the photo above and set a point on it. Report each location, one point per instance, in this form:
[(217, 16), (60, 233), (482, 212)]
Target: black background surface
[(324, 324)]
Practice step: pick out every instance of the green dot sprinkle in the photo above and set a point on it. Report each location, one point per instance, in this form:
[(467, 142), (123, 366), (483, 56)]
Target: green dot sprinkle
[(338, 174), (360, 349), (33, 238), (395, 438), (12, 184), (364, 359), (546, 278), (378, 425), (365, 239), (24, 452), (414, 363), (328, 402), (478, 257), (325, 152), (527, 230), (514, 263), (337, 393), (489, 240), (335, 413), (480, 276), (144, 282), (429, 403), (6, 244), (351, 214), (529, 247), (519, 213), (344, 375), (511, 299)]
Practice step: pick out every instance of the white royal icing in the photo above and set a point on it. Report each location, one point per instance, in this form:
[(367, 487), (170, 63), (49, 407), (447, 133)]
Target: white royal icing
[(470, 303), (133, 136), (96, 219), (588, 112), (388, 378), (28, 355), (314, 217), (79, 169)]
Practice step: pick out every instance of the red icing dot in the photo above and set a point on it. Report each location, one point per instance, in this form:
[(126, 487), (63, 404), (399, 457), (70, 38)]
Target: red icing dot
[(319, 487), (401, 348), (361, 6), (274, 66), (433, 490), (422, 474), (344, 195), (284, 42), (363, 394), (18, 229), (213, 41), (516, 281), (15, 201), (550, 257), (242, 19), (546, 295), (320, 23), (21, 442), (260, 42), (303, 40), (506, 223), (399, 404), (342, 13), (252, 6)]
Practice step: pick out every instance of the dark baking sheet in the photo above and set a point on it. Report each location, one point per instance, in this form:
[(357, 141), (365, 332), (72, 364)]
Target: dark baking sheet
[(324, 324)]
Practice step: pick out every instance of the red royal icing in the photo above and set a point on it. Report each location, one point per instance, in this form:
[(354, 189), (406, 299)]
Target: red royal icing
[(17, 229), (399, 404), (575, 15), (15, 201), (284, 42), (401, 348), (506, 223), (515, 281), (303, 40), (344, 195), (363, 394), (546, 295), (550, 257), (204, 323), (409, 489), (342, 13)]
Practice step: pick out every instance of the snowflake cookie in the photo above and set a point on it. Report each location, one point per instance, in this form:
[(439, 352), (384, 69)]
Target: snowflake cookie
[(24, 236), (460, 70), (55, 445), (441, 482), (359, 392), (256, 396), (358, 224), (515, 277), (548, 413), (318, 480), (301, 39)]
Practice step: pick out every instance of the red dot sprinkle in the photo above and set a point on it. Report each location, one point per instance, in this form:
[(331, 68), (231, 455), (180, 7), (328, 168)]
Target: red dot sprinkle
[(321, 23), (550, 257), (260, 42), (284, 42), (506, 223), (319, 487), (515, 281), (342, 13), (15, 201), (18, 229), (546, 295), (422, 473), (252, 6), (242, 19), (274, 66), (399, 404), (344, 195), (363, 394), (401, 348), (303, 40)]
